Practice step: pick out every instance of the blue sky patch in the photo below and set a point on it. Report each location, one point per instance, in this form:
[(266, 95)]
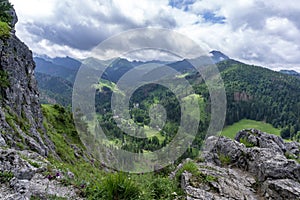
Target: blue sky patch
[(181, 4), (213, 18)]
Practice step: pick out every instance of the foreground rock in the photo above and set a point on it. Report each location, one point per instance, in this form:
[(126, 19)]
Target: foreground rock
[(257, 168), (24, 175), (221, 183)]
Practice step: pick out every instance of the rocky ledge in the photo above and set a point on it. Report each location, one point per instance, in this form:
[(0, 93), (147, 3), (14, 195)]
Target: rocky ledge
[(256, 165), (26, 175)]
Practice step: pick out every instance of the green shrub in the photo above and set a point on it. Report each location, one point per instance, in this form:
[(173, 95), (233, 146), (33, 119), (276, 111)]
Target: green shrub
[(225, 159), (246, 143), (197, 176), (146, 186), (4, 15), (285, 133), (4, 30), (12, 119), (157, 186), (4, 82), (116, 187), (6, 177), (20, 145), (210, 178), (94, 183), (289, 155), (197, 181), (163, 188), (34, 164), (189, 166)]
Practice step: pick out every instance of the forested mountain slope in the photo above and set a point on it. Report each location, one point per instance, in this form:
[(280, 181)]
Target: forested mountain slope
[(261, 94), (54, 90)]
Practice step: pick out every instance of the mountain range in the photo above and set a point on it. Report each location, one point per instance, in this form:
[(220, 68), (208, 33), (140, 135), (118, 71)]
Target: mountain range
[(253, 92), (62, 71)]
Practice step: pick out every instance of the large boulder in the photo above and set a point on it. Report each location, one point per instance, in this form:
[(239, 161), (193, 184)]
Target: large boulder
[(256, 166)]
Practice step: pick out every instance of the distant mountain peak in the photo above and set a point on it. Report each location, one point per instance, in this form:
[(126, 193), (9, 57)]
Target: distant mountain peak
[(291, 72), (218, 56)]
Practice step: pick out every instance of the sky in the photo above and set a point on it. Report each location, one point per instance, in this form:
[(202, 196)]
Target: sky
[(259, 32)]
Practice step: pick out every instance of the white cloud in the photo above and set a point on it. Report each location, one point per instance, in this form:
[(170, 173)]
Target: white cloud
[(254, 31), (282, 27), (34, 9)]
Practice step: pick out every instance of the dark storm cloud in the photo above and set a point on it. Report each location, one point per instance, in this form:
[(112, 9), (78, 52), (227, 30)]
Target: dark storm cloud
[(80, 36), (82, 28)]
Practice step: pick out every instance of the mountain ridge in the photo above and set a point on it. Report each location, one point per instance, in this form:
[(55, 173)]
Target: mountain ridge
[(290, 72)]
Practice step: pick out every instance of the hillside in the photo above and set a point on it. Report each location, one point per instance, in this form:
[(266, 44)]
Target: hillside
[(54, 90), (261, 94), (65, 68)]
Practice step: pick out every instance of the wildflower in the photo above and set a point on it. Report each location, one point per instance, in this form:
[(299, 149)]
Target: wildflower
[(50, 177)]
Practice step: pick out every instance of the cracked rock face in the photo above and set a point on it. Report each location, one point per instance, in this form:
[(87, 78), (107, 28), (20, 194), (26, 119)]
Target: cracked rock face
[(259, 171), (23, 141), (228, 183), (21, 120)]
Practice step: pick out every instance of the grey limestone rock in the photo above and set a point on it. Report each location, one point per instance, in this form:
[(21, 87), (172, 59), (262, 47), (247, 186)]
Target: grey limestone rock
[(261, 170), (21, 119), (28, 179)]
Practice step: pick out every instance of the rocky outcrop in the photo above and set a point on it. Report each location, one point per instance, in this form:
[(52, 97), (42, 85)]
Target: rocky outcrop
[(25, 175), (21, 120), (255, 166), (224, 183)]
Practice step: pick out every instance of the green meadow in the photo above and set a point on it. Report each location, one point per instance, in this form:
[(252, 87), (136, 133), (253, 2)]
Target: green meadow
[(230, 131)]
